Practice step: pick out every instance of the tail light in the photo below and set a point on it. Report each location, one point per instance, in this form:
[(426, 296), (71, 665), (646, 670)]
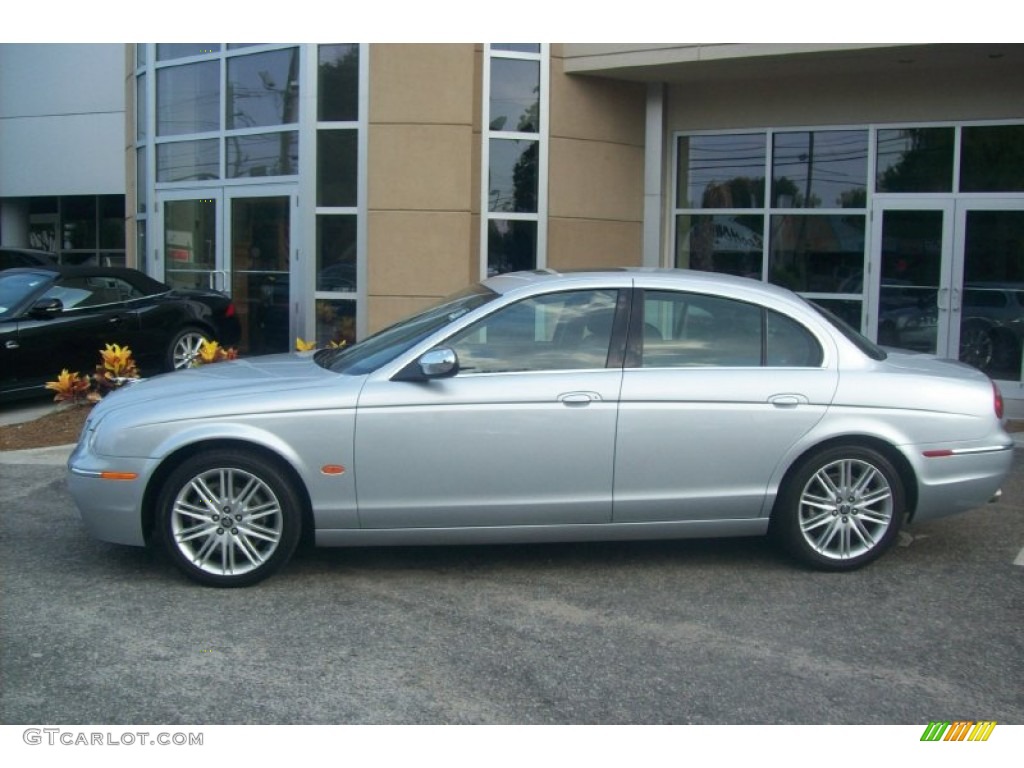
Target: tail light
[(230, 311), (997, 398)]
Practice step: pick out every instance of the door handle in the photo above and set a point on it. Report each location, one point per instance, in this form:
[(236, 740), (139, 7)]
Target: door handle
[(578, 398), (787, 401)]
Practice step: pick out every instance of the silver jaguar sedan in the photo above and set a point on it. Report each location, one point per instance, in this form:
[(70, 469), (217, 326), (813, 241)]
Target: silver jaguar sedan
[(538, 407)]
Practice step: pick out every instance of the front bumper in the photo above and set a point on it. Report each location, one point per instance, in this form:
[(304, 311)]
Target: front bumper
[(110, 508)]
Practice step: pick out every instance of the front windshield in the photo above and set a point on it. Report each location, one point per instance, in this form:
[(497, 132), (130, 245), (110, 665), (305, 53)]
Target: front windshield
[(383, 347), (15, 287)]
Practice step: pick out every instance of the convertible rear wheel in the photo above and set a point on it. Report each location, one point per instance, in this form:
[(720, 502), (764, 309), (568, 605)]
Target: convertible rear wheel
[(228, 518), (184, 348), (840, 509)]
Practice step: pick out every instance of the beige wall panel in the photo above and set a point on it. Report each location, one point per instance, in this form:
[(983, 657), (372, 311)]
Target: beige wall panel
[(420, 167), (426, 83), (415, 253), (595, 180), (851, 99), (595, 108), (581, 244), (383, 311)]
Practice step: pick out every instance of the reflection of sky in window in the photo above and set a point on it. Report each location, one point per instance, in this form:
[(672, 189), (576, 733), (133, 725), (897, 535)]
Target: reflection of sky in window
[(824, 168), (263, 89), (505, 154), (709, 161), (188, 99), (514, 93)]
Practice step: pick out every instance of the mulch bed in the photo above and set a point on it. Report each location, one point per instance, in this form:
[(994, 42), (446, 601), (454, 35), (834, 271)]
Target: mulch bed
[(61, 427)]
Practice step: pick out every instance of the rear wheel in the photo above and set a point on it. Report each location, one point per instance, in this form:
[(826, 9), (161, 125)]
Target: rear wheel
[(184, 348), (228, 518), (840, 509)]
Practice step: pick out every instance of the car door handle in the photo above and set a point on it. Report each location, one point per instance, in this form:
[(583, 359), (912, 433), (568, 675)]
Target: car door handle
[(578, 398), (787, 400), (116, 320), (11, 345)]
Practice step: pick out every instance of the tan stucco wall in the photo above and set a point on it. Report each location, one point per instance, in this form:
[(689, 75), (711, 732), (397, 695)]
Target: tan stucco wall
[(424, 159), (595, 170)]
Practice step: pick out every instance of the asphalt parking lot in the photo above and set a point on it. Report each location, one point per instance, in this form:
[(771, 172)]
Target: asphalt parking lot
[(705, 632)]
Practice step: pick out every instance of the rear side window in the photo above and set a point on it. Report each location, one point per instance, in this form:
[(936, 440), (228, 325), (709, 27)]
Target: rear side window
[(686, 330)]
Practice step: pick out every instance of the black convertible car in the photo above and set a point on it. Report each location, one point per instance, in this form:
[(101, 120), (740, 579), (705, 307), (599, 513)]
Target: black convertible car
[(54, 317)]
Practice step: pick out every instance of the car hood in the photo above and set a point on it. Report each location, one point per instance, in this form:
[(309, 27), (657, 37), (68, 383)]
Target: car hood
[(277, 383)]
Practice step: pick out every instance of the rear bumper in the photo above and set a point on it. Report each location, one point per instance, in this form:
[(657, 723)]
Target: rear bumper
[(964, 479)]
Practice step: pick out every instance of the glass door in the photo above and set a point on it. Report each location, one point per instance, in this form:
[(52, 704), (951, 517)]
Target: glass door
[(190, 241), (260, 234), (911, 300), (990, 247)]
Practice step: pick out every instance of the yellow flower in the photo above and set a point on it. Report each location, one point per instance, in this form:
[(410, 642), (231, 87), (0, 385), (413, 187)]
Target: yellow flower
[(117, 361), (68, 386), (338, 344), (209, 352), (304, 346)]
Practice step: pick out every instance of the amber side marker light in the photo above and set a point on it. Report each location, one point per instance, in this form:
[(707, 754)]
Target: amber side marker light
[(332, 469), (118, 475)]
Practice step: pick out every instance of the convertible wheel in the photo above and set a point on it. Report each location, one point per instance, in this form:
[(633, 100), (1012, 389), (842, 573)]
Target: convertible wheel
[(229, 519), (184, 349), (840, 509)]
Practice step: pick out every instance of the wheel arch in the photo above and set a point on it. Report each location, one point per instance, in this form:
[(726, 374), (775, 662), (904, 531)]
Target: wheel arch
[(181, 454), (900, 463)]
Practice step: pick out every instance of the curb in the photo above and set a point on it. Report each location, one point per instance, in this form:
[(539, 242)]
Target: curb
[(54, 455)]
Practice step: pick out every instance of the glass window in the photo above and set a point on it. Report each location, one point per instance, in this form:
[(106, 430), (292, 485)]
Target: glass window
[(788, 344), (167, 51), (337, 168), (513, 183), (338, 82), (817, 254), (263, 89), (336, 253), (515, 94), (188, 160), (265, 154), (730, 244), (112, 217), (140, 108), (78, 218), (820, 169), (915, 160), (683, 330), (562, 331), (188, 99), (992, 159), (511, 246), (520, 47), (141, 185), (335, 322), (721, 171)]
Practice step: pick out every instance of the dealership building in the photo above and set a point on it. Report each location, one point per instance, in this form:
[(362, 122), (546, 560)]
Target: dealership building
[(333, 188)]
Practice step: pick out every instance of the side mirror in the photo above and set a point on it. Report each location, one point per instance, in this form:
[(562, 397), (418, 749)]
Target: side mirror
[(46, 308), (439, 363)]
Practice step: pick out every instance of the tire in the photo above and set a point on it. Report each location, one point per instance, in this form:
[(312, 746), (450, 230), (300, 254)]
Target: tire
[(228, 518), (840, 509), (184, 348)]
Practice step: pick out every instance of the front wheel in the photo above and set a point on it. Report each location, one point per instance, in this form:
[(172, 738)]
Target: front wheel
[(840, 509), (228, 518)]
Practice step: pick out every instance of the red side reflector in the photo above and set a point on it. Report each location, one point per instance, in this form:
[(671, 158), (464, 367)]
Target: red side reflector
[(938, 454)]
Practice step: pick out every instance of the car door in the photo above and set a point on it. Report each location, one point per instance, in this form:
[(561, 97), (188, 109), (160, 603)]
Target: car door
[(92, 317), (721, 390), (524, 434)]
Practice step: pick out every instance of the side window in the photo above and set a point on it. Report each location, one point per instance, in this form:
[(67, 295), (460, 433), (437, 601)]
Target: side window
[(790, 345), (687, 329), (74, 292), (554, 332)]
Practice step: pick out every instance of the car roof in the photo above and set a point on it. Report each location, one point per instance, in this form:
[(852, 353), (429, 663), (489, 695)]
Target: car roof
[(135, 277), (621, 276)]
